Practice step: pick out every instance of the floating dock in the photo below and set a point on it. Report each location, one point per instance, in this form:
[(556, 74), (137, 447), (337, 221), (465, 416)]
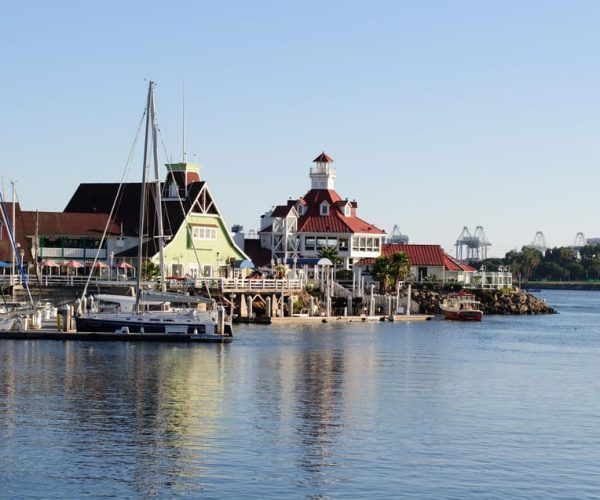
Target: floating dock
[(311, 320)]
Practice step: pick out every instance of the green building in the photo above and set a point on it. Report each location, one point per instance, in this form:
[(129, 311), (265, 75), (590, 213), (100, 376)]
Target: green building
[(196, 239)]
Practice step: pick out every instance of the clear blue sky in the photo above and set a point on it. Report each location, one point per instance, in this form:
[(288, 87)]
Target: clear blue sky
[(438, 114)]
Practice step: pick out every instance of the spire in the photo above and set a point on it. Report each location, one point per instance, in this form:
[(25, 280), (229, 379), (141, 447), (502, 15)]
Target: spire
[(323, 158), (322, 176)]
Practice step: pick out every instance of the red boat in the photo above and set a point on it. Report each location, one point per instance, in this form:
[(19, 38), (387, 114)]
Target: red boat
[(462, 306)]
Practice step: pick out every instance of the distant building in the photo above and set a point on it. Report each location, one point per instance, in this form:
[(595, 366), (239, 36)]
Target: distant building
[(320, 219), (194, 228), (427, 263)]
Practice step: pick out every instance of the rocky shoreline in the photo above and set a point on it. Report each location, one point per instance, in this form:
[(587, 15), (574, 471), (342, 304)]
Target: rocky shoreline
[(514, 302)]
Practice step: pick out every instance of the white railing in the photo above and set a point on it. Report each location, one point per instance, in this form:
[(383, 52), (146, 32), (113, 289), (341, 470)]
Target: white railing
[(224, 284), (261, 284)]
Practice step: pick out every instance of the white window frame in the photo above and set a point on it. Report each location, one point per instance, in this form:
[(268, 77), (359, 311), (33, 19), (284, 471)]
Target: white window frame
[(324, 209), (204, 233)]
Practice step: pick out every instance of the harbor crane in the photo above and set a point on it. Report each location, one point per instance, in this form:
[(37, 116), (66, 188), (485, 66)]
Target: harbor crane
[(472, 246), (579, 241), (397, 237), (539, 242)]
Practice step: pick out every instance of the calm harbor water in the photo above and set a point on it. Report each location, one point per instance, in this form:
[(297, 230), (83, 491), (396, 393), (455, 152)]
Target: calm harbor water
[(509, 408)]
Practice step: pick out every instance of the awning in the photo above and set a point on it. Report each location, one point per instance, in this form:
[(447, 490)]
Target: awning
[(244, 264)]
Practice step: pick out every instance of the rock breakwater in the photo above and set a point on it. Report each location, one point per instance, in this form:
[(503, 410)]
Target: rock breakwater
[(504, 301)]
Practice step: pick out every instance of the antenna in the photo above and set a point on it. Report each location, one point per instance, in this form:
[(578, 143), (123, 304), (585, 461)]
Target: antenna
[(183, 119)]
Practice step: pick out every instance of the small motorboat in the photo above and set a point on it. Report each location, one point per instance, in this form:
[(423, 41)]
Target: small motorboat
[(461, 306)]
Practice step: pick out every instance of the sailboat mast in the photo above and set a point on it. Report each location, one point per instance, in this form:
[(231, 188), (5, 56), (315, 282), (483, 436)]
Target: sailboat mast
[(159, 215), (143, 200), (14, 231)]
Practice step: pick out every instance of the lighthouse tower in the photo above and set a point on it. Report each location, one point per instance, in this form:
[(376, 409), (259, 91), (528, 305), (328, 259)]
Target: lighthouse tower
[(322, 175)]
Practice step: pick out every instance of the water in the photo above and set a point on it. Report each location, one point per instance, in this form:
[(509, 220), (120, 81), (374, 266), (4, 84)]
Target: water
[(509, 408)]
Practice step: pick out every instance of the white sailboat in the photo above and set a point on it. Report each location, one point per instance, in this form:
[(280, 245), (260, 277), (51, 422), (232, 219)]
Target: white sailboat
[(152, 312)]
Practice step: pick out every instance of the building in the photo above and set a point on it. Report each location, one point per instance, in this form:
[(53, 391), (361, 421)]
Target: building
[(196, 239), (320, 219), (428, 263)]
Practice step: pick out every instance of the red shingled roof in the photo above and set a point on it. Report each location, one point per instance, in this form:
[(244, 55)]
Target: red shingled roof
[(336, 222), (422, 255)]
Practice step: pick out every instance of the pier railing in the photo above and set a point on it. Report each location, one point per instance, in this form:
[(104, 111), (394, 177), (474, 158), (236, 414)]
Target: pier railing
[(220, 284)]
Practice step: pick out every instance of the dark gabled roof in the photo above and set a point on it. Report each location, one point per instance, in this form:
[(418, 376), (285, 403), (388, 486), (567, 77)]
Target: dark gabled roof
[(323, 158), (260, 256), (100, 198), (282, 210)]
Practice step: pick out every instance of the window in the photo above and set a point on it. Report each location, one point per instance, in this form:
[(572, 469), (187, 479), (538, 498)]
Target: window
[(343, 244), (300, 209), (347, 211), (204, 233), (324, 208), (193, 272), (207, 271), (309, 243)]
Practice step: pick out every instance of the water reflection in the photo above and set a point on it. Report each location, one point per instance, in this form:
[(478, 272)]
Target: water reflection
[(147, 412)]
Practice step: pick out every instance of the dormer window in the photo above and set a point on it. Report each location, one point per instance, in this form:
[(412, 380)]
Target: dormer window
[(300, 209), (324, 208), (347, 210)]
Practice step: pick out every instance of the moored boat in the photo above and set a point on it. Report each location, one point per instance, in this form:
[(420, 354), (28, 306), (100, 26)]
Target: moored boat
[(461, 306), (151, 312)]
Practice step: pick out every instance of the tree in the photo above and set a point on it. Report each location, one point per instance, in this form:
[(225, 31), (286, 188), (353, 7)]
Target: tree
[(400, 265), (383, 271), (332, 254), (150, 270)]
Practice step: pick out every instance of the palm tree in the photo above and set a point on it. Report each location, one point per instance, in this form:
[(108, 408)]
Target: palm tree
[(400, 264), (332, 254), (383, 272)]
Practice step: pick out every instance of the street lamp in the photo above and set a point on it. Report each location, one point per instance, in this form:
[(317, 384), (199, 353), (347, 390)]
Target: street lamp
[(112, 256)]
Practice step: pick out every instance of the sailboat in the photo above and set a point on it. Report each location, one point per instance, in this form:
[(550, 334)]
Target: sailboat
[(152, 312)]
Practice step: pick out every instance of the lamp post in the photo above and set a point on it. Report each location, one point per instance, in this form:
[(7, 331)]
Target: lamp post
[(218, 264), (112, 257)]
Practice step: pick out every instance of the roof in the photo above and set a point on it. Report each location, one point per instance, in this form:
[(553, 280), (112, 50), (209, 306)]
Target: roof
[(260, 256), (99, 197), (21, 232), (281, 210), (336, 222), (422, 255), (68, 224), (323, 158)]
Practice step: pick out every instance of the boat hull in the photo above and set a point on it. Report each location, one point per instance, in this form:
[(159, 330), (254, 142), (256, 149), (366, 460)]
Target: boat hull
[(470, 315), (139, 325)]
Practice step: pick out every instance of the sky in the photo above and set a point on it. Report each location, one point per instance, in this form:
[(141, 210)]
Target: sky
[(438, 114)]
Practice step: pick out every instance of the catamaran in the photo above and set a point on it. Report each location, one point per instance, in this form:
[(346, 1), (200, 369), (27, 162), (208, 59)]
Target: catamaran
[(153, 312)]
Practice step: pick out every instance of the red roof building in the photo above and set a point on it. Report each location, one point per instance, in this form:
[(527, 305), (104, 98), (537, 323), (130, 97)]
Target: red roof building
[(427, 263), (321, 218)]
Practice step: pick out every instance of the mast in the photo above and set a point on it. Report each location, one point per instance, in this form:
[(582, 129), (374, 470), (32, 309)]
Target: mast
[(143, 200), (14, 230), (159, 215)]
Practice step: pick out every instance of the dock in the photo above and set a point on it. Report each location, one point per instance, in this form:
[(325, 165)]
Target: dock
[(312, 320)]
